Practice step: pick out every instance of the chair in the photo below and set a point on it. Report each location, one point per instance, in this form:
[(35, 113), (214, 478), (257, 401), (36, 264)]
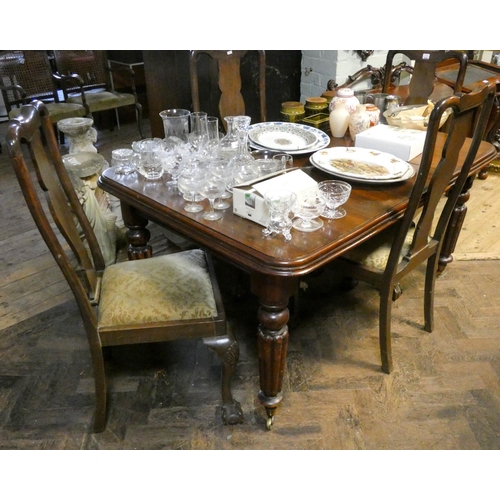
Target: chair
[(27, 75), (390, 255), (88, 80), (423, 77), (231, 102), (164, 298)]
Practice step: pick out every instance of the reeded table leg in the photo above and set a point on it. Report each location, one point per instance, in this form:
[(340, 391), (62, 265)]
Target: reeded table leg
[(455, 226), (137, 234), (272, 336)]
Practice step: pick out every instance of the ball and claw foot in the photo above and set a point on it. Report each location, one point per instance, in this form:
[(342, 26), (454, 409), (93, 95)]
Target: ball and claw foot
[(232, 413)]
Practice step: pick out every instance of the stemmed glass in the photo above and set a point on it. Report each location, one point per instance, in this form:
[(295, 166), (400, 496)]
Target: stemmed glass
[(279, 203), (307, 210), (211, 188), (189, 182), (213, 138), (220, 169), (198, 138), (283, 160), (336, 194)]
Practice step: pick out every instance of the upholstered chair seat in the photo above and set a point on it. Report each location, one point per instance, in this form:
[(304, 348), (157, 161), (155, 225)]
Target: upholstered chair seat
[(167, 288)]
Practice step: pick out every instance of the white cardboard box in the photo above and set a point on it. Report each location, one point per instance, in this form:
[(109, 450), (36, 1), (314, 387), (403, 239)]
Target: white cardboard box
[(248, 199), (401, 142)]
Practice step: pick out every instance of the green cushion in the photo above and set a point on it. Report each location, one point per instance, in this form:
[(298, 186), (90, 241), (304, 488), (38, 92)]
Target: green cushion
[(57, 111), (375, 252), (167, 288), (103, 100)]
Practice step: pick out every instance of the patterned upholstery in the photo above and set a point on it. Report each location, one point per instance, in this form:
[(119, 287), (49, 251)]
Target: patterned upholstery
[(167, 288), (375, 252), (58, 111), (101, 101)]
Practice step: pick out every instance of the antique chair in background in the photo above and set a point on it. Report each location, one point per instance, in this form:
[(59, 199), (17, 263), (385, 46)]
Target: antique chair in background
[(423, 82), (231, 101), (164, 298), (91, 82), (26, 75), (387, 257)]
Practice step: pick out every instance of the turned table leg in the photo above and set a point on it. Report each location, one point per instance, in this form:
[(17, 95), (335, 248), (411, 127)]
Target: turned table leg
[(137, 234), (455, 226), (272, 336)]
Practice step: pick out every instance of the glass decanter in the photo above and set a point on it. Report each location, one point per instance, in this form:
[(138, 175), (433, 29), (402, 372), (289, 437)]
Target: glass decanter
[(243, 163), (229, 143)]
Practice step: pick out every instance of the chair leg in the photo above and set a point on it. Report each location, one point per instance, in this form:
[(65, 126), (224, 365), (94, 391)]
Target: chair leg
[(138, 113), (430, 281), (385, 330), (228, 351), (100, 391)]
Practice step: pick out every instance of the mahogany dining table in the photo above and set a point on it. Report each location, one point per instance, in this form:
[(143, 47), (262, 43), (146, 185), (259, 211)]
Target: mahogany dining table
[(275, 265)]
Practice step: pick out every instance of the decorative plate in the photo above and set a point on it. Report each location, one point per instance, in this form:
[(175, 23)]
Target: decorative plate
[(362, 164), (283, 136), (322, 139)]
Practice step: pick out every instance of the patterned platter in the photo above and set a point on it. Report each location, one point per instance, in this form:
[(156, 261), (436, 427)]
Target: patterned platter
[(362, 165), (290, 137)]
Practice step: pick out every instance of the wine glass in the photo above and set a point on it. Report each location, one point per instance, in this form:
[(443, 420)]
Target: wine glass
[(279, 203), (198, 137), (220, 169), (336, 194), (283, 161), (307, 210), (212, 188), (189, 183)]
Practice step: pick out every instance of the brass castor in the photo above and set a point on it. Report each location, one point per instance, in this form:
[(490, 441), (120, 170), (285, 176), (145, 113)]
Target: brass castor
[(269, 422)]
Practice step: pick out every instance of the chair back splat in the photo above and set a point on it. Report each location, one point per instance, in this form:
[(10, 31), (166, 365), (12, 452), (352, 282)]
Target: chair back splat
[(423, 77), (418, 237), (165, 298), (228, 77)]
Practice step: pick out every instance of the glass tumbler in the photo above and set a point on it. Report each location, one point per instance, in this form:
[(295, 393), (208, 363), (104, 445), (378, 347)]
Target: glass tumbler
[(121, 161)]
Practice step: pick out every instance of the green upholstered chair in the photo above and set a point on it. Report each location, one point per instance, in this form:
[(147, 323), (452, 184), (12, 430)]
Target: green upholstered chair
[(159, 299), (87, 79), (418, 237), (26, 75)]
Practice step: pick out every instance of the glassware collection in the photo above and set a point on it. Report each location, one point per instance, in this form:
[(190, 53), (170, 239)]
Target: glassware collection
[(202, 163)]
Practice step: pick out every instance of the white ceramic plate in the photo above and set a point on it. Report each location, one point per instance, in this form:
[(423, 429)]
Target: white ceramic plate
[(322, 140), (283, 136), (362, 165)]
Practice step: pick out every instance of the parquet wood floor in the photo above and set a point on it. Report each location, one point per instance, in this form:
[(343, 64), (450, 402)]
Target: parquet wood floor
[(444, 392)]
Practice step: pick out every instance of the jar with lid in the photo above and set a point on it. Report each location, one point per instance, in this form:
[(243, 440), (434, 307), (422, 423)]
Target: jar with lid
[(347, 96), (315, 105), (292, 111)]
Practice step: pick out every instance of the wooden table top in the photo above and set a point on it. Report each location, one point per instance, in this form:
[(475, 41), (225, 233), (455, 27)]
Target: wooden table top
[(370, 208)]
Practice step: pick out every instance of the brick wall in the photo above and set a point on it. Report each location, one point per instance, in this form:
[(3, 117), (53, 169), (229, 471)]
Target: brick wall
[(320, 66)]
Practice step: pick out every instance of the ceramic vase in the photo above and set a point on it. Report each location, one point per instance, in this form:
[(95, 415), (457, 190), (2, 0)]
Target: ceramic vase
[(347, 96), (359, 121), (374, 114), (339, 119)]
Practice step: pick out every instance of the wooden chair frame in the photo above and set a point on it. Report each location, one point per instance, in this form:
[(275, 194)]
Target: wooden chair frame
[(86, 279), (469, 112)]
